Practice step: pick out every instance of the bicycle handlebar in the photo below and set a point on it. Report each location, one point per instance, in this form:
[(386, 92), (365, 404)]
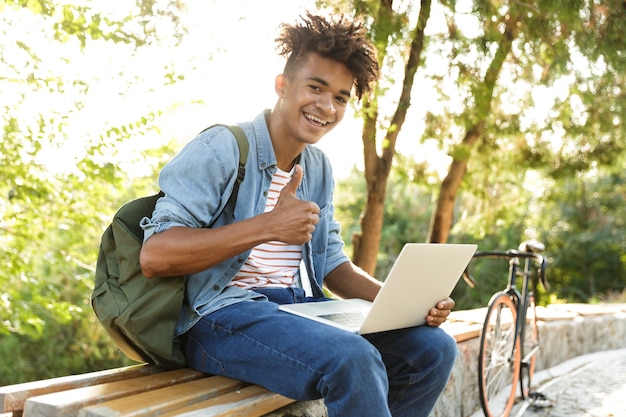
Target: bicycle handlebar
[(529, 249)]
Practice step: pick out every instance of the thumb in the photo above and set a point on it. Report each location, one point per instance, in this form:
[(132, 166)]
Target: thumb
[(295, 181)]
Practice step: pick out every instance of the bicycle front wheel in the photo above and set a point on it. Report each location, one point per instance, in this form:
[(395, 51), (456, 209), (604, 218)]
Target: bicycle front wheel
[(499, 357)]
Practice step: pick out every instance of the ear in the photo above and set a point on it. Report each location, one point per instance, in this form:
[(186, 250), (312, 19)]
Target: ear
[(279, 85)]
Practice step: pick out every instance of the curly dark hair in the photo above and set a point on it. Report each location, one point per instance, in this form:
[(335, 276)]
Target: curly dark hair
[(340, 39)]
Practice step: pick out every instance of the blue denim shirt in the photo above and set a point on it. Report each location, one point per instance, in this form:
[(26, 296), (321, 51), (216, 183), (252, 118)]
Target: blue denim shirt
[(197, 183)]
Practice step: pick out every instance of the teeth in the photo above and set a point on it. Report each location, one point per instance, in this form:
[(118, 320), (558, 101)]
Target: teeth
[(315, 119)]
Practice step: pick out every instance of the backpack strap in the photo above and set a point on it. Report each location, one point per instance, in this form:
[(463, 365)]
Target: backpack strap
[(242, 142), (244, 146)]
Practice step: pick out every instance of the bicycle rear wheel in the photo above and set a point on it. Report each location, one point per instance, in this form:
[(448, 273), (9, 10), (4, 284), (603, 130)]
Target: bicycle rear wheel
[(531, 346), (499, 357)]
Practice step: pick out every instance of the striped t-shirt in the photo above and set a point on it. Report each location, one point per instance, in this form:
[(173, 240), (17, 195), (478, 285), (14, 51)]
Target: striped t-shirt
[(271, 264)]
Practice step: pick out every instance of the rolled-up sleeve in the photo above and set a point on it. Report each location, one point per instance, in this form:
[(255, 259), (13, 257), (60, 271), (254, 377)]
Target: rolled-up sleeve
[(194, 182)]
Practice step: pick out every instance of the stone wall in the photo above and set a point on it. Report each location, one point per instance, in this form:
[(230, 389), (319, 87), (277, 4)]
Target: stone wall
[(565, 332)]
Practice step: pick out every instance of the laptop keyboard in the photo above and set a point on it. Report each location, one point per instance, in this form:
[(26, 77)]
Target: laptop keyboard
[(347, 319)]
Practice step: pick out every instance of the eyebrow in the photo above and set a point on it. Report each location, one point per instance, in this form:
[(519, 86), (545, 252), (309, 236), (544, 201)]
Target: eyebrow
[(325, 84)]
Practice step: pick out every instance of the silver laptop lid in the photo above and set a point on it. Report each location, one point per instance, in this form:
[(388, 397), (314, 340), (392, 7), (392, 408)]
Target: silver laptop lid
[(423, 274)]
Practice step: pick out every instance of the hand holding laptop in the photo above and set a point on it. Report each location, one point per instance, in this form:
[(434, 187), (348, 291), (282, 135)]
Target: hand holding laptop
[(439, 314)]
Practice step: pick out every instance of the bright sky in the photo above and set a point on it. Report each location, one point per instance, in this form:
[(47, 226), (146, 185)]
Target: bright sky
[(228, 60), (240, 82), (242, 78), (235, 50)]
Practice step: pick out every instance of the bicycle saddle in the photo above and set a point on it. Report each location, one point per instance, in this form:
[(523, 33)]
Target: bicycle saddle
[(532, 246)]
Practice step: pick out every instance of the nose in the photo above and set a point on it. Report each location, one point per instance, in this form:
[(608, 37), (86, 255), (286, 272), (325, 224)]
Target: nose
[(325, 104)]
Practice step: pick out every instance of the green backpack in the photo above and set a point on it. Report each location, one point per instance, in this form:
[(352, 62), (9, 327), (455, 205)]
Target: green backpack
[(138, 313)]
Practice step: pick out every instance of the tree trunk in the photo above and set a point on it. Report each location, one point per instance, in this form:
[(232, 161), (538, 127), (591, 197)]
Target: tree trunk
[(377, 168), (443, 216), (367, 242)]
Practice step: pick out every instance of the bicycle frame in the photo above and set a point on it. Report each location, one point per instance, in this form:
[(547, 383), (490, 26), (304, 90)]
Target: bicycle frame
[(520, 299), (521, 356)]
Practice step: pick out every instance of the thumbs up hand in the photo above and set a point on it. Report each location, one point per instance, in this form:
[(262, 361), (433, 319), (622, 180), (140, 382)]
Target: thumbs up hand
[(295, 219), (292, 186)]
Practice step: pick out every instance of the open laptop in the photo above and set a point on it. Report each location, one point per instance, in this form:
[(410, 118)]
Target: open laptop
[(422, 275)]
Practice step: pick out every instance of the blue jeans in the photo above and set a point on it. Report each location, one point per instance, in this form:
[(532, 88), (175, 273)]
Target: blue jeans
[(399, 373)]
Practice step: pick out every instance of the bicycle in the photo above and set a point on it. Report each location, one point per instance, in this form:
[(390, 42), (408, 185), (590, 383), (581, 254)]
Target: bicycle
[(509, 340)]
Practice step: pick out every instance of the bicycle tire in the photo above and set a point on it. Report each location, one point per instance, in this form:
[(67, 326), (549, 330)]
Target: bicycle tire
[(530, 343), (499, 357)]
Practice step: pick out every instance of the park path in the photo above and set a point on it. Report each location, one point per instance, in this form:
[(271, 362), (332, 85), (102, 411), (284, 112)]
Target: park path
[(592, 385)]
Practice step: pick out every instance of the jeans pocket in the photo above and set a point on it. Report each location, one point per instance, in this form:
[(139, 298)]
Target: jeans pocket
[(289, 295)]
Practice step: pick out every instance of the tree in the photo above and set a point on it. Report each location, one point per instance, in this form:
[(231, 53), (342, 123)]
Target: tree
[(540, 46), (494, 59)]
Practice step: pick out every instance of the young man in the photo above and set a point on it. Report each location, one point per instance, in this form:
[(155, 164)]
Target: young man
[(247, 263)]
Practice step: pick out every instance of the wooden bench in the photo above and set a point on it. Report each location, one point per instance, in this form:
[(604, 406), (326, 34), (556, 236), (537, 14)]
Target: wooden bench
[(140, 390), (146, 390)]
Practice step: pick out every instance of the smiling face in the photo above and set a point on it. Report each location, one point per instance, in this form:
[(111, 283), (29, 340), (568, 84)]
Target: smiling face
[(312, 101)]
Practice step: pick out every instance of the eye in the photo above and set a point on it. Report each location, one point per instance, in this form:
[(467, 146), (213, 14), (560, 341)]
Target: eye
[(315, 88)]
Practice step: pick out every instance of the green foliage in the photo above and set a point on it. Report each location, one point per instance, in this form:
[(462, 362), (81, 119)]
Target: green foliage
[(50, 234), (86, 23), (585, 219), (52, 215), (349, 200)]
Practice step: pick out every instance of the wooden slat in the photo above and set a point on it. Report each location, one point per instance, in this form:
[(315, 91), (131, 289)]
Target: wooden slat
[(68, 403), (462, 331), (476, 315), (253, 401), (163, 400), (12, 397)]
